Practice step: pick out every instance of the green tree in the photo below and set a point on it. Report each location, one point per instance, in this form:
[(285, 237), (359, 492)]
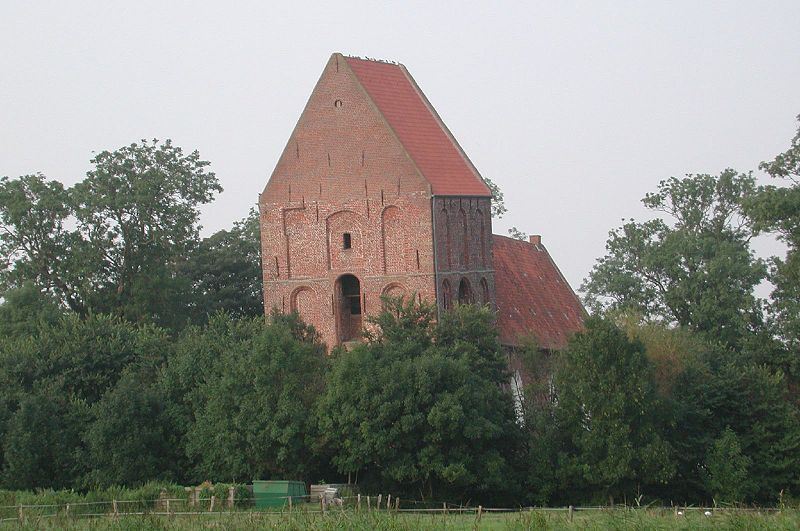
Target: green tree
[(84, 358), (252, 409), (498, 204), (111, 242), (61, 369), (777, 209), (16, 354), (469, 332), (128, 439), (35, 241), (42, 443), (705, 388), (719, 391), (727, 469), (695, 269), (541, 426), (517, 234), (197, 352), (409, 410), (25, 310), (225, 272), (607, 411)]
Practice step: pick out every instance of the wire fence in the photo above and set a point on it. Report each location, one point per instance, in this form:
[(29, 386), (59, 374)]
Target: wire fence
[(213, 506)]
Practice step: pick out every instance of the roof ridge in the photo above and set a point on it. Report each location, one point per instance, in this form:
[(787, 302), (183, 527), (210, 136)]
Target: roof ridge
[(512, 239), (374, 60)]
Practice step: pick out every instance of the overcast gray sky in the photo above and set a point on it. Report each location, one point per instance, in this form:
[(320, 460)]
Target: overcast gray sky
[(575, 109)]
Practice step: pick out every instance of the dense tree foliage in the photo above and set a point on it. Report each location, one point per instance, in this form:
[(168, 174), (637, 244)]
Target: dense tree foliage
[(109, 243), (608, 415), (51, 383), (42, 443), (26, 310), (420, 407), (694, 269), (132, 350), (648, 415), (251, 410), (777, 210), (125, 241), (103, 401), (727, 469), (225, 272), (720, 393), (128, 438)]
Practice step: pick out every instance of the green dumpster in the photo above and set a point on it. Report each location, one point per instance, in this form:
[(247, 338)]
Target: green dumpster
[(277, 493)]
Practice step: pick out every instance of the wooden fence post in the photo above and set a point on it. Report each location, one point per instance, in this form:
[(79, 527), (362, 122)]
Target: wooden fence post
[(378, 505), (212, 504), (114, 504), (480, 511), (369, 504), (290, 504), (396, 504), (20, 515), (358, 502), (444, 507), (571, 509), (388, 502), (67, 510), (169, 511)]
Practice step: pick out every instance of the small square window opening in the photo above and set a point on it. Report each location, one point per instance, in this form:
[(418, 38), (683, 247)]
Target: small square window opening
[(347, 241)]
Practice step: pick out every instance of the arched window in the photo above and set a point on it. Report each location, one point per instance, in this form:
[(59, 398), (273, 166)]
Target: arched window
[(394, 290), (482, 225), (465, 292), (463, 235), (447, 295), (448, 246), (484, 291)]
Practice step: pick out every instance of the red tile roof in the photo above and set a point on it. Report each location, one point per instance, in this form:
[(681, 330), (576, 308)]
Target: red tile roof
[(533, 298), (422, 133)]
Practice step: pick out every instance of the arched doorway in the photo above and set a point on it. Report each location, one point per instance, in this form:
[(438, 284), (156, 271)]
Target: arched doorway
[(348, 316), (465, 292)]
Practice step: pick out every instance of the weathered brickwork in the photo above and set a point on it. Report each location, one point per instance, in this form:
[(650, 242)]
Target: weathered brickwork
[(372, 195), (463, 249), (343, 172)]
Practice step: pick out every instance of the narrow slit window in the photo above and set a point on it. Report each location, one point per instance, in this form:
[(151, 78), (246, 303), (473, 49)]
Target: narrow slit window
[(347, 241)]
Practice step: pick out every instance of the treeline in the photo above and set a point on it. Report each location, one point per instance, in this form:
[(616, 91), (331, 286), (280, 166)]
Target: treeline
[(707, 403), (423, 409), (132, 350), (98, 401), (125, 241)]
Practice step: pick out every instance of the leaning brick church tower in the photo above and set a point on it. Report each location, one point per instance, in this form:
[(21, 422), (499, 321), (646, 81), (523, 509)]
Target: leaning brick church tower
[(372, 195)]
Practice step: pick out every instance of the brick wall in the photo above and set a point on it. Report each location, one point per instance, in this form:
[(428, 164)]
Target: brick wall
[(344, 172), (463, 240)]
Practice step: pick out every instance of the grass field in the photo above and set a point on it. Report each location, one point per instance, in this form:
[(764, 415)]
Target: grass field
[(348, 519)]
